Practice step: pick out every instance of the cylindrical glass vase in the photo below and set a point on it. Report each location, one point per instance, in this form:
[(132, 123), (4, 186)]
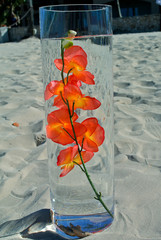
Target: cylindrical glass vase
[(76, 43)]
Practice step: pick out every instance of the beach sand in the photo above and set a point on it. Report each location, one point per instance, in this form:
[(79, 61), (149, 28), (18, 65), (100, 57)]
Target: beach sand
[(24, 185)]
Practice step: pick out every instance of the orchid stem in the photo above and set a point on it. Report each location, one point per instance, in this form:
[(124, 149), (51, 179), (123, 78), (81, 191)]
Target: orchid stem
[(68, 74), (98, 195), (62, 56), (79, 166)]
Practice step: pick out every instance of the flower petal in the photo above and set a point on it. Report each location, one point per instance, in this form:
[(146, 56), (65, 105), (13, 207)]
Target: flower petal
[(91, 125), (66, 169), (73, 51), (85, 76), (53, 88), (88, 103), (79, 63), (59, 127), (65, 156), (72, 79), (58, 102), (79, 128), (60, 115), (69, 157), (85, 155), (98, 135), (94, 135), (59, 65), (58, 135), (90, 145), (72, 92)]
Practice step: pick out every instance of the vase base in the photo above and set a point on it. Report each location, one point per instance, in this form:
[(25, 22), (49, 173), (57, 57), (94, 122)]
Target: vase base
[(79, 226)]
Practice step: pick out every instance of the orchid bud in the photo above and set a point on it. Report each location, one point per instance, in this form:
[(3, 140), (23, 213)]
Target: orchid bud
[(67, 43), (71, 34)]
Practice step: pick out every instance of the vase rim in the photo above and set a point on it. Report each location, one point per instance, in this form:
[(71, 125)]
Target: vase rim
[(61, 7)]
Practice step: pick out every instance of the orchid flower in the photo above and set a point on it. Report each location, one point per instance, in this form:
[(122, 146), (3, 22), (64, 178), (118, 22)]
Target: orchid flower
[(94, 136), (59, 127), (70, 157), (75, 61)]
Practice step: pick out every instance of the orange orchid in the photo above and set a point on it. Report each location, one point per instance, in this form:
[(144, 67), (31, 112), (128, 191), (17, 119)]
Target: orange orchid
[(75, 61), (74, 95), (94, 136), (73, 80), (62, 127), (70, 157), (59, 127), (53, 88)]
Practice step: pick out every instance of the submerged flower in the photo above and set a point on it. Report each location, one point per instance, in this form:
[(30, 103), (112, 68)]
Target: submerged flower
[(75, 61), (94, 136), (53, 88), (74, 96), (70, 157), (59, 127), (56, 87)]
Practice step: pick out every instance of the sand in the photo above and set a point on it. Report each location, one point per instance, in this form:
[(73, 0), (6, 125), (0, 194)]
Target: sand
[(24, 185)]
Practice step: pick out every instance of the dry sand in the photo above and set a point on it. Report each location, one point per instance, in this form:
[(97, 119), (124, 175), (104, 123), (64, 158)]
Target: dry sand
[(24, 188)]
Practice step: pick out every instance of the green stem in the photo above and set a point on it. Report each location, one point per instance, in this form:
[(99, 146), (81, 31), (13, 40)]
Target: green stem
[(68, 134), (98, 195), (79, 166), (68, 74), (62, 56)]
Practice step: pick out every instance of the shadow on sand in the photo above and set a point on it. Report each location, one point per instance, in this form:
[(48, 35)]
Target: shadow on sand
[(31, 226)]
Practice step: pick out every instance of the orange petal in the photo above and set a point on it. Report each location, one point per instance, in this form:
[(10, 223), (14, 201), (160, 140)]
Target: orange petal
[(72, 79), (79, 128), (58, 121), (91, 125), (53, 88), (85, 155), (61, 116), (98, 135), (69, 157), (59, 103), (72, 92), (66, 156), (90, 145), (73, 51), (76, 63), (94, 136), (85, 77), (57, 134), (88, 103), (59, 65), (79, 63), (66, 169)]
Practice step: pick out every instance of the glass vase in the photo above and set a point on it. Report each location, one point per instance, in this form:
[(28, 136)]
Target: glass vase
[(76, 47)]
